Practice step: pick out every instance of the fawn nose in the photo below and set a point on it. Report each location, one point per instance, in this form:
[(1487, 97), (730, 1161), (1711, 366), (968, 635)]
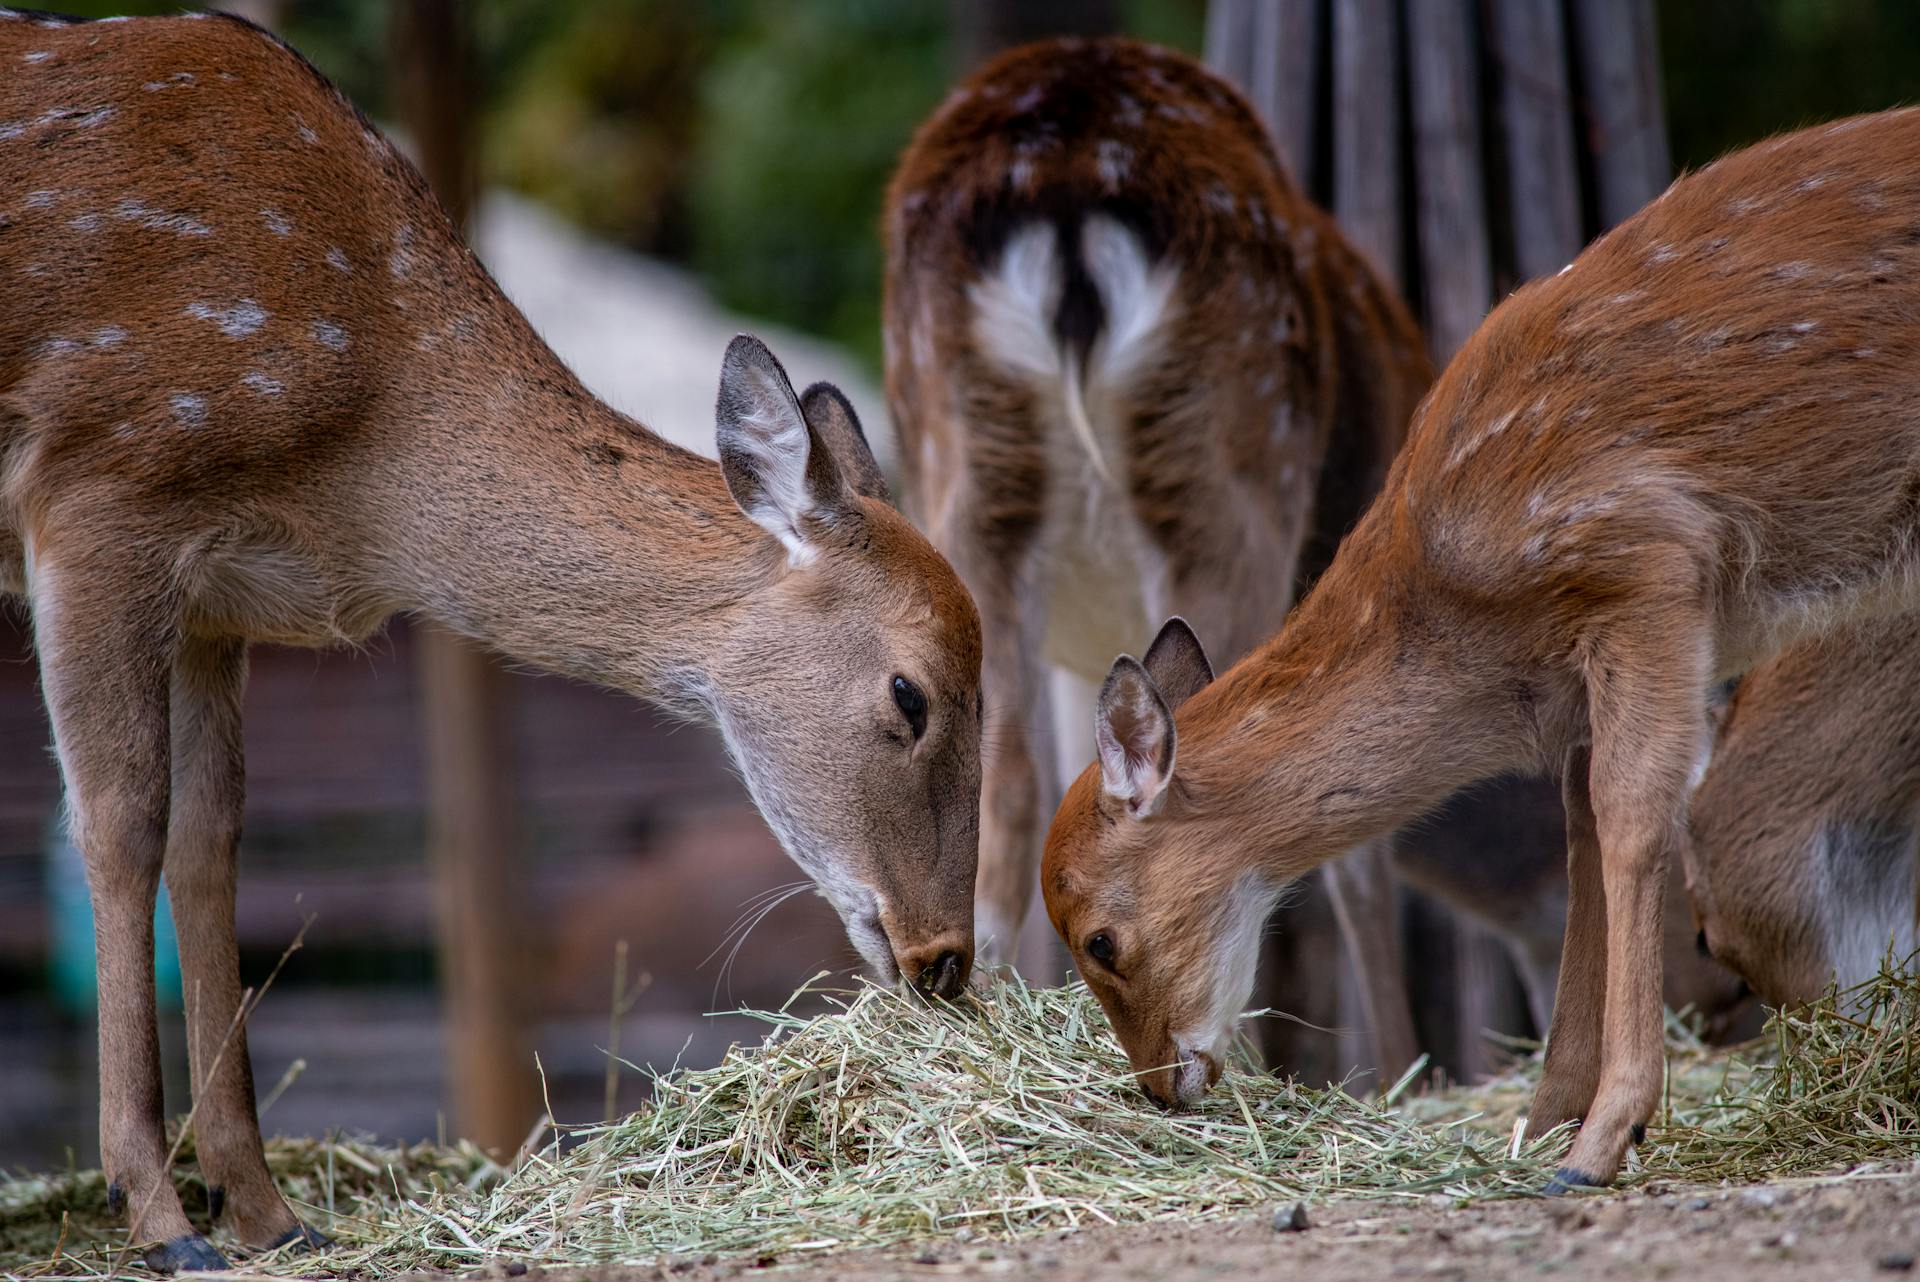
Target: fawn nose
[(939, 971)]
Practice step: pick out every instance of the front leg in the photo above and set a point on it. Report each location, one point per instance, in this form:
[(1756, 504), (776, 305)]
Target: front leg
[(1571, 1074), (203, 840)]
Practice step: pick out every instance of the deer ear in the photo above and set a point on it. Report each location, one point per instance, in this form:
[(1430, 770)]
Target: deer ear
[(1177, 664), (780, 474), (1133, 729), (830, 414)]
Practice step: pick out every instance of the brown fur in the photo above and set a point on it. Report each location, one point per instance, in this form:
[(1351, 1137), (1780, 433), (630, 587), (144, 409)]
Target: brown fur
[(1637, 477), (1801, 856), (252, 388), (1225, 459)]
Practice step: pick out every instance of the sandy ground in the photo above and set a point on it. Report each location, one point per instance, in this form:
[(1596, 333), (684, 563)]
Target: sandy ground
[(1863, 1226)]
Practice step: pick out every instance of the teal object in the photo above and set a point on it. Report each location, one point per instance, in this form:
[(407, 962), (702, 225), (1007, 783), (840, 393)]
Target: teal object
[(70, 912)]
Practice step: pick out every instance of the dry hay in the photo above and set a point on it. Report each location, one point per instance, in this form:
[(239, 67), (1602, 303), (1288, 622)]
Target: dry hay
[(1012, 1112)]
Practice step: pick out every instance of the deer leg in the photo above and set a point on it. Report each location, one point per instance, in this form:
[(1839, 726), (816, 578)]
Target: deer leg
[(1014, 771), (104, 652), (203, 842), (1571, 1074), (1645, 736), (1361, 885)]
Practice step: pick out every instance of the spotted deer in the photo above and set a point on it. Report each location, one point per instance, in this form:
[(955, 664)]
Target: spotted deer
[(1690, 448), (1801, 854), (1134, 371), (253, 388)]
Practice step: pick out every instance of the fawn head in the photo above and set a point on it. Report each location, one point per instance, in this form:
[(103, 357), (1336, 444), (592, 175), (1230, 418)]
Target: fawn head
[(1133, 888), (849, 689)]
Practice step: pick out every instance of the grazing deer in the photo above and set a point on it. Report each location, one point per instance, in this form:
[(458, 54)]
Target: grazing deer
[(1134, 371), (1801, 854), (253, 388), (1696, 444)]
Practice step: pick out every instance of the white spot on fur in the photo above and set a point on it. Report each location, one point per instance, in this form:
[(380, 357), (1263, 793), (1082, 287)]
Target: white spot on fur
[(133, 211), (36, 55), (1113, 160), (88, 221), (305, 131), (108, 336), (191, 410), (59, 346), (264, 384), (1661, 254), (1029, 99), (277, 223), (337, 259), (40, 199), (330, 335), (243, 318), (1219, 198)]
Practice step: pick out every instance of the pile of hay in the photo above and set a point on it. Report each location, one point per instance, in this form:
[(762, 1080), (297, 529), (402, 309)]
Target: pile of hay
[(1008, 1113)]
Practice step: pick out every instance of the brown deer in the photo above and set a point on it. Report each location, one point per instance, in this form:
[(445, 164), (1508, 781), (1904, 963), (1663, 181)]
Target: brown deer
[(1694, 445), (1134, 371), (1801, 856), (253, 388)]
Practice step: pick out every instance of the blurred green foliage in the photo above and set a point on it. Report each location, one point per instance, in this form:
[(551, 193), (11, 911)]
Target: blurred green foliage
[(752, 139)]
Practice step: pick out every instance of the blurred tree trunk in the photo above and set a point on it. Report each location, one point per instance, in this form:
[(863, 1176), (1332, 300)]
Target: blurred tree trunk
[(983, 28), (473, 823)]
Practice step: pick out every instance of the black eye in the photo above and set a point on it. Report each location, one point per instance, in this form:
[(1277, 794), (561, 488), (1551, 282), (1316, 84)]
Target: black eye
[(912, 704), (1100, 948), (1700, 944)]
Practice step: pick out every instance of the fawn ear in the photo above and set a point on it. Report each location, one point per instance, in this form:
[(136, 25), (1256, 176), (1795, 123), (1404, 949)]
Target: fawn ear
[(1177, 664), (1133, 729), (830, 414), (778, 471)]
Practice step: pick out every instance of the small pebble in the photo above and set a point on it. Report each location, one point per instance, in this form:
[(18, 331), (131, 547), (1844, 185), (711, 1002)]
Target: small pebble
[(1291, 1219), (1762, 1198), (926, 1257), (1700, 1204), (517, 1268), (1896, 1262)]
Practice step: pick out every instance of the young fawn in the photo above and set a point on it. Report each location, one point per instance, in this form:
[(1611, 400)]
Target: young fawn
[(1800, 852), (1134, 371), (1692, 446), (253, 388)]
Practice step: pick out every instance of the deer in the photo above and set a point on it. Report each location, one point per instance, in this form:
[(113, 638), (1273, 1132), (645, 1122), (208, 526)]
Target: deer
[(253, 388), (1800, 853), (1691, 448), (1133, 371)]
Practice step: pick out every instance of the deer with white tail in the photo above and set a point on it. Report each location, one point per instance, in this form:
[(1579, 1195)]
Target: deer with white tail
[(1134, 372), (1698, 443), (253, 388)]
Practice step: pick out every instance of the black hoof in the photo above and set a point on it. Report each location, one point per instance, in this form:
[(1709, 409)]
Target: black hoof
[(1639, 1133), (188, 1253), (310, 1239), (1568, 1180)]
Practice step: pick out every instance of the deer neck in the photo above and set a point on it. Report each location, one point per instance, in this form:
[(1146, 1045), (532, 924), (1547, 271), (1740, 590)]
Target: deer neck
[(1351, 723), (542, 523)]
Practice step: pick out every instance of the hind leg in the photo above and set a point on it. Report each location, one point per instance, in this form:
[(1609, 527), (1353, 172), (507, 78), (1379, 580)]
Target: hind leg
[(1361, 886), (105, 640), (203, 841)]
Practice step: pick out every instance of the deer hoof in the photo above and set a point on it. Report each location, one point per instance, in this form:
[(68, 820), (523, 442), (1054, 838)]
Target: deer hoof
[(188, 1253), (1568, 1180), (310, 1239)]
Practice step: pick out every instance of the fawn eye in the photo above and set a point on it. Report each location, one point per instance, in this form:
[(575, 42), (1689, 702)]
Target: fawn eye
[(1100, 948), (1700, 944), (912, 703)]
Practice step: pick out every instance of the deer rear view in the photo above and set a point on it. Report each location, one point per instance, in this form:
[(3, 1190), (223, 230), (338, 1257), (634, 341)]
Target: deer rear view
[(1639, 477), (1135, 373), (252, 388), (1801, 851)]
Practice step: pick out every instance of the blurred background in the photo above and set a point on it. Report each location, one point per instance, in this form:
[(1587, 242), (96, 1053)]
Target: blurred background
[(473, 848)]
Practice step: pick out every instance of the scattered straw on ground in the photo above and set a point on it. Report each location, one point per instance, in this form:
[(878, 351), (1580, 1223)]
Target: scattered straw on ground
[(1011, 1113)]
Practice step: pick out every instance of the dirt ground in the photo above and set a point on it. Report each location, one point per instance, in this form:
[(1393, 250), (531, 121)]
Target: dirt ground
[(1864, 1226)]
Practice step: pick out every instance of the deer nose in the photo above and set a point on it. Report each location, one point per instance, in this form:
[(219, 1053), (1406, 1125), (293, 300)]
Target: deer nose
[(940, 971)]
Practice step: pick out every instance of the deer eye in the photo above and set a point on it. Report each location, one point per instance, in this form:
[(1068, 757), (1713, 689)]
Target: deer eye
[(912, 702), (1100, 948), (1700, 944)]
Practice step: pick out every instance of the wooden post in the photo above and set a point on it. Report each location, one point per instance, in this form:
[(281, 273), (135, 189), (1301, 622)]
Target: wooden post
[(473, 821), (1366, 131), (1529, 51), (1456, 266)]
